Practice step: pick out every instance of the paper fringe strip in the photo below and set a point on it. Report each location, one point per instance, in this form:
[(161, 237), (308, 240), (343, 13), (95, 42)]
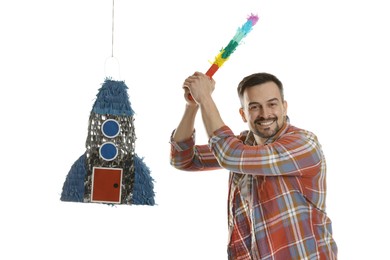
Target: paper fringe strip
[(225, 53)]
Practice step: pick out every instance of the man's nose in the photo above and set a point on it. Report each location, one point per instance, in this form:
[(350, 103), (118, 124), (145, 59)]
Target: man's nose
[(264, 112)]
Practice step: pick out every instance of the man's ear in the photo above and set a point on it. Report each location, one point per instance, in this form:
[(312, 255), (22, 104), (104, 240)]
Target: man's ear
[(285, 107), (242, 113)]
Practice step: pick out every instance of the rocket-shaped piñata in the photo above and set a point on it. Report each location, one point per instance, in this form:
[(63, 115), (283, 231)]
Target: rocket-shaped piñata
[(110, 171)]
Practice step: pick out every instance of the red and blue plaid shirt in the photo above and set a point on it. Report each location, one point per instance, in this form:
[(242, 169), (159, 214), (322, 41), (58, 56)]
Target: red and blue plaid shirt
[(277, 191)]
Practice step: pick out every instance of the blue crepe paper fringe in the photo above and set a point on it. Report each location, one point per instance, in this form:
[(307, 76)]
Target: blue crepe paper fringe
[(113, 99), (73, 189), (143, 193)]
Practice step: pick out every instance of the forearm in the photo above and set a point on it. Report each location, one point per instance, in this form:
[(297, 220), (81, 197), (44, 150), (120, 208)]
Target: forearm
[(185, 128), (187, 156), (192, 158), (210, 115)]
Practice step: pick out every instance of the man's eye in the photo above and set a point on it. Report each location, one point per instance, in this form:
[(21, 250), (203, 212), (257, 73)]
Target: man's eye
[(254, 107)]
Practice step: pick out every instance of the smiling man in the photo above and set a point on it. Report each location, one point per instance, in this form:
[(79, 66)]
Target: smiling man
[(277, 183), (263, 108)]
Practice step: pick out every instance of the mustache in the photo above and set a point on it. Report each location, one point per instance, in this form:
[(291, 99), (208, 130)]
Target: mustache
[(262, 119)]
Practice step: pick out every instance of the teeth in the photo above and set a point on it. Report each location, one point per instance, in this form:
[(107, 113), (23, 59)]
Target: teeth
[(266, 123)]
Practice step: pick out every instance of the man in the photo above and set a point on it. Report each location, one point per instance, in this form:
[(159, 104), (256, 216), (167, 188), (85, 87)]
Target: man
[(277, 184)]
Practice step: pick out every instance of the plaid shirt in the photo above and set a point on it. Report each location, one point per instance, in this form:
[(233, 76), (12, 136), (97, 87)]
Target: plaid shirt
[(276, 202)]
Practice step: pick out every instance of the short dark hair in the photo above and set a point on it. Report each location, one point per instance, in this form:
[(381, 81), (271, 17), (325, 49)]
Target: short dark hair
[(256, 79)]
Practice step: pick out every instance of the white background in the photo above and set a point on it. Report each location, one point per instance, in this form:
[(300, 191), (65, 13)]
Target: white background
[(332, 56)]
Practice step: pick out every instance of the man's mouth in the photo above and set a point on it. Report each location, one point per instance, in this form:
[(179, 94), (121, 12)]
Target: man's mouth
[(265, 122)]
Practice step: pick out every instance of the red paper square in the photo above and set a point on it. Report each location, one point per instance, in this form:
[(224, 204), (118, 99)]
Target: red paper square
[(106, 185)]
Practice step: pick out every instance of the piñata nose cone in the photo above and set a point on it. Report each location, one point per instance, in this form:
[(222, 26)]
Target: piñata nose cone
[(113, 99), (110, 171)]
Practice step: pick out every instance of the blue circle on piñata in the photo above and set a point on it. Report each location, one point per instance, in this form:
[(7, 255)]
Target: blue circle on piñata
[(110, 128), (108, 151)]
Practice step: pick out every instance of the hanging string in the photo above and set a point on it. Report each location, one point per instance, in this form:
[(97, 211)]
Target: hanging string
[(112, 29), (112, 68)]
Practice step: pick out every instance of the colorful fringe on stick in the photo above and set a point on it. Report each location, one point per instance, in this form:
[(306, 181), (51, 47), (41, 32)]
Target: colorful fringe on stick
[(231, 47)]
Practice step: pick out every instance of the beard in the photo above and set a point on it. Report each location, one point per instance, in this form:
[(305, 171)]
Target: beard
[(265, 131)]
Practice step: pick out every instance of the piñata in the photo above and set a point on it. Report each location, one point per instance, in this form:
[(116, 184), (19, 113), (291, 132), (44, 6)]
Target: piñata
[(110, 171)]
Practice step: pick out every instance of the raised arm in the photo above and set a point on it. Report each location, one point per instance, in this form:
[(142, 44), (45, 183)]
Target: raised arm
[(201, 88), (185, 155), (185, 129), (296, 153)]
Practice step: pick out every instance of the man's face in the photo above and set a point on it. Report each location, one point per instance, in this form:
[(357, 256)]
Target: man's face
[(264, 110)]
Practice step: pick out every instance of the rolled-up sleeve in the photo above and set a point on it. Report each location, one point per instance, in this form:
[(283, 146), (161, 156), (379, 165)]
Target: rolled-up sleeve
[(185, 155)]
